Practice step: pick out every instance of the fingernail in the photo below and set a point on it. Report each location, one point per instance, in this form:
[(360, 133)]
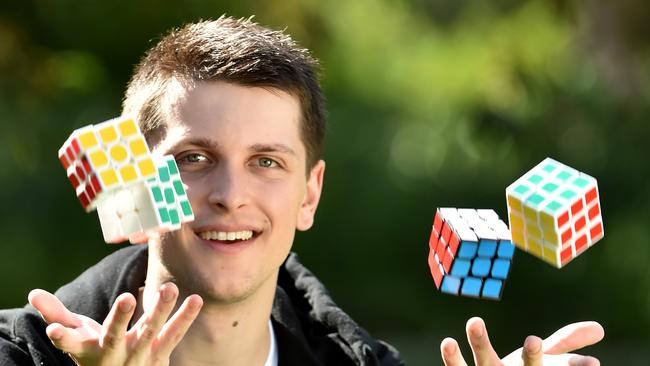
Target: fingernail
[(531, 346), (451, 350), (167, 295), (125, 307), (195, 305), (477, 331)]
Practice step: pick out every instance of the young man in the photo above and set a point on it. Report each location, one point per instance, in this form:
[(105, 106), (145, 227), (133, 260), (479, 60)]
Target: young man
[(240, 108)]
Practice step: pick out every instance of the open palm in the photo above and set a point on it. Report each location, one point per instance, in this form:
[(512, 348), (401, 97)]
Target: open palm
[(149, 341)]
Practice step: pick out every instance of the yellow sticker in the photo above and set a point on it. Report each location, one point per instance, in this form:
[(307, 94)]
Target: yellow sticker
[(519, 239), (87, 140), (128, 128), (119, 153), (138, 147), (514, 204), (98, 158), (535, 247), (108, 134), (128, 174), (147, 168), (550, 255), (108, 177)]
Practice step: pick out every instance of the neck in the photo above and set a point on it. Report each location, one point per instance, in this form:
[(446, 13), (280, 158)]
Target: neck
[(235, 333)]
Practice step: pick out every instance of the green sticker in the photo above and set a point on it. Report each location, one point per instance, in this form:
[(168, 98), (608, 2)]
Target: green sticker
[(178, 187), (164, 215), (173, 215), (535, 199), (163, 174), (549, 167), (580, 182), (535, 179), (186, 208), (564, 175), (169, 196), (550, 187), (521, 189), (173, 168), (554, 206), (157, 194), (568, 194)]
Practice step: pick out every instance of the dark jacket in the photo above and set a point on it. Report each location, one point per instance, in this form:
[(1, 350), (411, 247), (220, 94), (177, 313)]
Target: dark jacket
[(310, 329)]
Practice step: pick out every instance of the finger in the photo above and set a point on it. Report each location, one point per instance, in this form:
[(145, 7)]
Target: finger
[(174, 330), (572, 337), (577, 360), (570, 359), (479, 341), (148, 330), (66, 339), (52, 309), (451, 355), (532, 351), (117, 322)]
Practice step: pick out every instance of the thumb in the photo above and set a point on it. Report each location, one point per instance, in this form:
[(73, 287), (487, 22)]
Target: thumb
[(52, 309)]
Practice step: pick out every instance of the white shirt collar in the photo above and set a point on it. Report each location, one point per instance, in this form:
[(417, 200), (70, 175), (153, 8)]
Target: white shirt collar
[(272, 359)]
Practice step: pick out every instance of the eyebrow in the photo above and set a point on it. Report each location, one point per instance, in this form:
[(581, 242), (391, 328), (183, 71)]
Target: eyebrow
[(207, 143), (262, 148)]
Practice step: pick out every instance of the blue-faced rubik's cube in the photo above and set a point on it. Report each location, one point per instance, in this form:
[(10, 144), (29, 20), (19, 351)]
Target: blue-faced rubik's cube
[(111, 169), (554, 212), (470, 252)]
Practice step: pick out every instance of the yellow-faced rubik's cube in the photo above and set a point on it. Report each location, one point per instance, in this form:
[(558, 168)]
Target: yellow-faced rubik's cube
[(554, 212), (470, 252), (111, 169)]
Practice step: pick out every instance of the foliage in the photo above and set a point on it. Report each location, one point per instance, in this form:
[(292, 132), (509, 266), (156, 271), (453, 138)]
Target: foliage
[(431, 104)]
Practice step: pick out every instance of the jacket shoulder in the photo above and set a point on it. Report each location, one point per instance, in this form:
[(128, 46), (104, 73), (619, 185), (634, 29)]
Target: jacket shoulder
[(327, 331)]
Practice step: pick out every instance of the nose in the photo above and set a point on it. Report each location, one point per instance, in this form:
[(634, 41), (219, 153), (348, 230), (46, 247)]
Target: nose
[(228, 190)]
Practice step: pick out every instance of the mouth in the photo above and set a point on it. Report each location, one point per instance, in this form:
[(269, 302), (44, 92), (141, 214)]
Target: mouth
[(227, 236), (228, 241)]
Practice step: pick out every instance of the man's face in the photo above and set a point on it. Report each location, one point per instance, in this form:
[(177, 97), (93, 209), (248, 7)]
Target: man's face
[(241, 156)]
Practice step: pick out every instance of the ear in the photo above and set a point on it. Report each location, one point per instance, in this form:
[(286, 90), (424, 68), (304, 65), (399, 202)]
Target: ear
[(312, 195)]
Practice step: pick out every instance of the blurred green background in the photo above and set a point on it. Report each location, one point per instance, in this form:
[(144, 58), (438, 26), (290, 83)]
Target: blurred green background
[(432, 103)]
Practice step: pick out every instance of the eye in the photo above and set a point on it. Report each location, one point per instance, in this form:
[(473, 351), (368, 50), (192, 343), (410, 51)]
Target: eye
[(267, 163), (193, 158), (193, 161)]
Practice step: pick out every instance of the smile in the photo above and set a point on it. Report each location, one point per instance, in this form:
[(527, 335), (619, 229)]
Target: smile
[(226, 235)]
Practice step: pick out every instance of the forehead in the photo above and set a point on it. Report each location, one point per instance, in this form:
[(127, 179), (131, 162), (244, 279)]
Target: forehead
[(233, 114)]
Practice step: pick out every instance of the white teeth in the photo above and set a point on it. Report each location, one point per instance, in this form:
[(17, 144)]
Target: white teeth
[(223, 235)]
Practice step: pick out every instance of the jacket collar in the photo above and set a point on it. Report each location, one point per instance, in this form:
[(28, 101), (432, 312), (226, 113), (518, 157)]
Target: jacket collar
[(310, 328)]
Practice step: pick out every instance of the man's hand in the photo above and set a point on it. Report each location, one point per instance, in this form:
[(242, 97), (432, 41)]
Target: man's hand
[(150, 341), (554, 350)]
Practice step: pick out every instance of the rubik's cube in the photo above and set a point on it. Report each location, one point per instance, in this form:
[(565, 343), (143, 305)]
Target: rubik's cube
[(102, 157), (554, 212), (470, 252), (111, 169), (156, 204)]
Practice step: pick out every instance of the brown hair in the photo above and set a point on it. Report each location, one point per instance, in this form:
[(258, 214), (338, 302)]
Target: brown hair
[(239, 51)]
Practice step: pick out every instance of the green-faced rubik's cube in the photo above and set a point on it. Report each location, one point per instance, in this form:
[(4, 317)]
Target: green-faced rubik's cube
[(111, 169), (554, 212), (470, 252)]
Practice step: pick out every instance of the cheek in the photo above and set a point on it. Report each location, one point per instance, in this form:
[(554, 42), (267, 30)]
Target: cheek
[(283, 199), (197, 189)]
